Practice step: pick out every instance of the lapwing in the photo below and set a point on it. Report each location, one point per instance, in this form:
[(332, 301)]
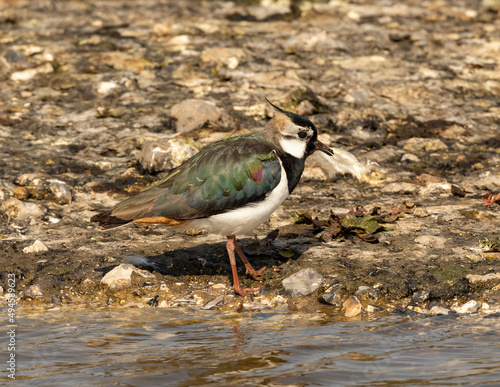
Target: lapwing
[(230, 187)]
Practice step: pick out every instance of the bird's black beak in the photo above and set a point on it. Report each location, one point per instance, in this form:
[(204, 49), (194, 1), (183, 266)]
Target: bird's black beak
[(318, 145)]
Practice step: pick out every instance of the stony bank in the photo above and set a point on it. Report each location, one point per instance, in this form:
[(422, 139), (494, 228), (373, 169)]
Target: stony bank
[(98, 99)]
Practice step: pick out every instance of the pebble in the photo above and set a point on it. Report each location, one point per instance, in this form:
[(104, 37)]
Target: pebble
[(304, 42), (227, 56), (164, 155), (410, 157), (437, 310), (431, 241), (193, 114), (366, 292), (36, 247), (488, 182), (21, 193), (352, 307), (421, 296), (26, 75), (302, 283), (373, 309), (471, 306), (22, 211), (33, 291), (121, 276), (475, 278), (60, 190), (333, 297), (457, 191), (213, 303), (163, 304)]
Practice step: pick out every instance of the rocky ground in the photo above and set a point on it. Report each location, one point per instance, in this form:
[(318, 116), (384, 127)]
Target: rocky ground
[(97, 101)]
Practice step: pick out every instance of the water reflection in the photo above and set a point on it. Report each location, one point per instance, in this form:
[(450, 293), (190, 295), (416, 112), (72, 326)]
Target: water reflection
[(193, 348)]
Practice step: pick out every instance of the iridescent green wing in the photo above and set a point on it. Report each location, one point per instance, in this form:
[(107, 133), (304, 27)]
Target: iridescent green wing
[(223, 176)]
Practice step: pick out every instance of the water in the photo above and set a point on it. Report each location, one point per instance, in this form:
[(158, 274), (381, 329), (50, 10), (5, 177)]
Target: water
[(162, 347)]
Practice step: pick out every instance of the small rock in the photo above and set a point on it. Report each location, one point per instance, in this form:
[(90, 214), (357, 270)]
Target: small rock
[(1, 290), (163, 304), (302, 283), (488, 182), (60, 190), (333, 297), (159, 156), (227, 56), (121, 276), (106, 88), (341, 162), (421, 296), (471, 306), (475, 278), (401, 188), (194, 114), (213, 303), (21, 193), (352, 307), (437, 310), (33, 291), (36, 247), (22, 211), (410, 157), (366, 292), (457, 191), (431, 241), (373, 309), (26, 75), (305, 42), (153, 302)]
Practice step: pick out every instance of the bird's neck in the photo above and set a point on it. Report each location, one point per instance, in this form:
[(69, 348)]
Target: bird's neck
[(293, 168)]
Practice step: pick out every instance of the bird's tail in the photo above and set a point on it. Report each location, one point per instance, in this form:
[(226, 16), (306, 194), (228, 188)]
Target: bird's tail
[(107, 221)]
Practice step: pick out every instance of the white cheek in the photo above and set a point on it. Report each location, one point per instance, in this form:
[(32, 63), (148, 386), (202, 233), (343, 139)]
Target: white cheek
[(294, 147)]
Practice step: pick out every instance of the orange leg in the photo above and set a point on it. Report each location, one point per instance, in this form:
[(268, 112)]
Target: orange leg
[(256, 274), (231, 246)]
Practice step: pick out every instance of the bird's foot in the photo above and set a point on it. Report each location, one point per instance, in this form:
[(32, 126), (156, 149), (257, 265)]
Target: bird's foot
[(244, 291), (256, 274)]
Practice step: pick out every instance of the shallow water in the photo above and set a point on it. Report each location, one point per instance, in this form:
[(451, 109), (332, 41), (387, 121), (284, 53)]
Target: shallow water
[(195, 348)]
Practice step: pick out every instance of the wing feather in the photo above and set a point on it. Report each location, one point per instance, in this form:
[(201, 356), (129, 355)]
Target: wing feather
[(223, 176)]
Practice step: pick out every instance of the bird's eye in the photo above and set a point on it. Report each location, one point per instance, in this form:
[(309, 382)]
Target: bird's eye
[(302, 134)]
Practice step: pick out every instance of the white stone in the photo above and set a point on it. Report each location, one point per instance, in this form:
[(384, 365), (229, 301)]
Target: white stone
[(36, 247), (121, 276), (473, 278), (22, 211), (471, 306), (26, 75), (437, 310), (33, 291), (303, 282)]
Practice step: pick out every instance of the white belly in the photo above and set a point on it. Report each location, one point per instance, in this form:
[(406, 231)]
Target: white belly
[(244, 220)]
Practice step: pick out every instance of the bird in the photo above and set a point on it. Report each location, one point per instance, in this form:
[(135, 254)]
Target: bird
[(230, 187)]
